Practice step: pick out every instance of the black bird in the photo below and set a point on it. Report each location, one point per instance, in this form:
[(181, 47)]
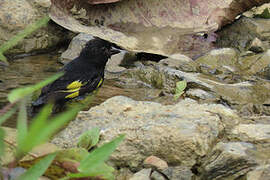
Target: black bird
[(81, 76)]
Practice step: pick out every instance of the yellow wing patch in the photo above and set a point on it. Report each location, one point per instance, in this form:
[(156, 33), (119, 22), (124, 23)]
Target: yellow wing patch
[(100, 82), (73, 88), (75, 85), (73, 95)]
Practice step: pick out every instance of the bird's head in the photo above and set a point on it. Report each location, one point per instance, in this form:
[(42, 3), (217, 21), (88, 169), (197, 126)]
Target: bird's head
[(98, 51)]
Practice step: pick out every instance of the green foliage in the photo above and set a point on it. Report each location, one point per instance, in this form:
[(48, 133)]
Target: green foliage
[(89, 138), (2, 145), (21, 35), (93, 164), (179, 90), (41, 129), (38, 169), (265, 14), (20, 93)]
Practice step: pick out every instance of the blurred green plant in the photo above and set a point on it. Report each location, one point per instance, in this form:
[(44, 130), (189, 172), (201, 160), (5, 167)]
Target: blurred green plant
[(21, 35), (179, 90), (265, 14), (42, 127)]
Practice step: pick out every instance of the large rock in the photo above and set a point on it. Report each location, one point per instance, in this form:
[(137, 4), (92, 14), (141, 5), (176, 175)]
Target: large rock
[(16, 15), (175, 133), (241, 33)]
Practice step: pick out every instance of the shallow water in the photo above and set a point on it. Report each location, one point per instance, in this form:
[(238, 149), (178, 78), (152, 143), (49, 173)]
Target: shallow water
[(30, 70)]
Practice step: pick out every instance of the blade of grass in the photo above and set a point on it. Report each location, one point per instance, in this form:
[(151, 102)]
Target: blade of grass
[(99, 155), (7, 115), (39, 122), (102, 170), (21, 35), (42, 133), (2, 145), (21, 125), (38, 169), (20, 93)]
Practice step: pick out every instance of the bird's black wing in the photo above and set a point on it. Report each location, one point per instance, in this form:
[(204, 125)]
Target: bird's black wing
[(71, 85)]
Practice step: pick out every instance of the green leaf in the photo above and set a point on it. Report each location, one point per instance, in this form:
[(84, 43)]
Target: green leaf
[(17, 94), (180, 87), (42, 131), (89, 138), (2, 145), (21, 125), (21, 35), (7, 115), (102, 170), (99, 155), (38, 169)]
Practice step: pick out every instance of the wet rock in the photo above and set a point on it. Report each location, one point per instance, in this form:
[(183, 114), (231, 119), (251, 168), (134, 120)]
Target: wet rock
[(228, 161), (243, 31), (201, 95), (155, 162), (255, 64), (143, 174), (252, 132), (16, 15), (260, 173), (218, 61), (182, 63), (170, 132)]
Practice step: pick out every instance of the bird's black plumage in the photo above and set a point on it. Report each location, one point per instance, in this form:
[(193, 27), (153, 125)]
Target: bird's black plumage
[(81, 76)]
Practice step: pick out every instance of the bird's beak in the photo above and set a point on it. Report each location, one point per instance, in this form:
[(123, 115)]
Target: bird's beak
[(114, 51)]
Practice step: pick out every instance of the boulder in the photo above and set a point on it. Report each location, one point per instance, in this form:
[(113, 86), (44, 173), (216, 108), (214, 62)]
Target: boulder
[(16, 15), (175, 133)]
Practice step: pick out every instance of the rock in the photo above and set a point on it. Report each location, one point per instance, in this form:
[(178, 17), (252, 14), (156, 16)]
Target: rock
[(243, 31), (252, 132), (143, 174), (255, 64), (228, 161), (155, 162), (256, 46), (182, 63), (178, 173), (113, 65), (75, 47), (260, 173), (123, 174), (170, 132), (201, 95), (16, 15), (221, 60), (157, 176)]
